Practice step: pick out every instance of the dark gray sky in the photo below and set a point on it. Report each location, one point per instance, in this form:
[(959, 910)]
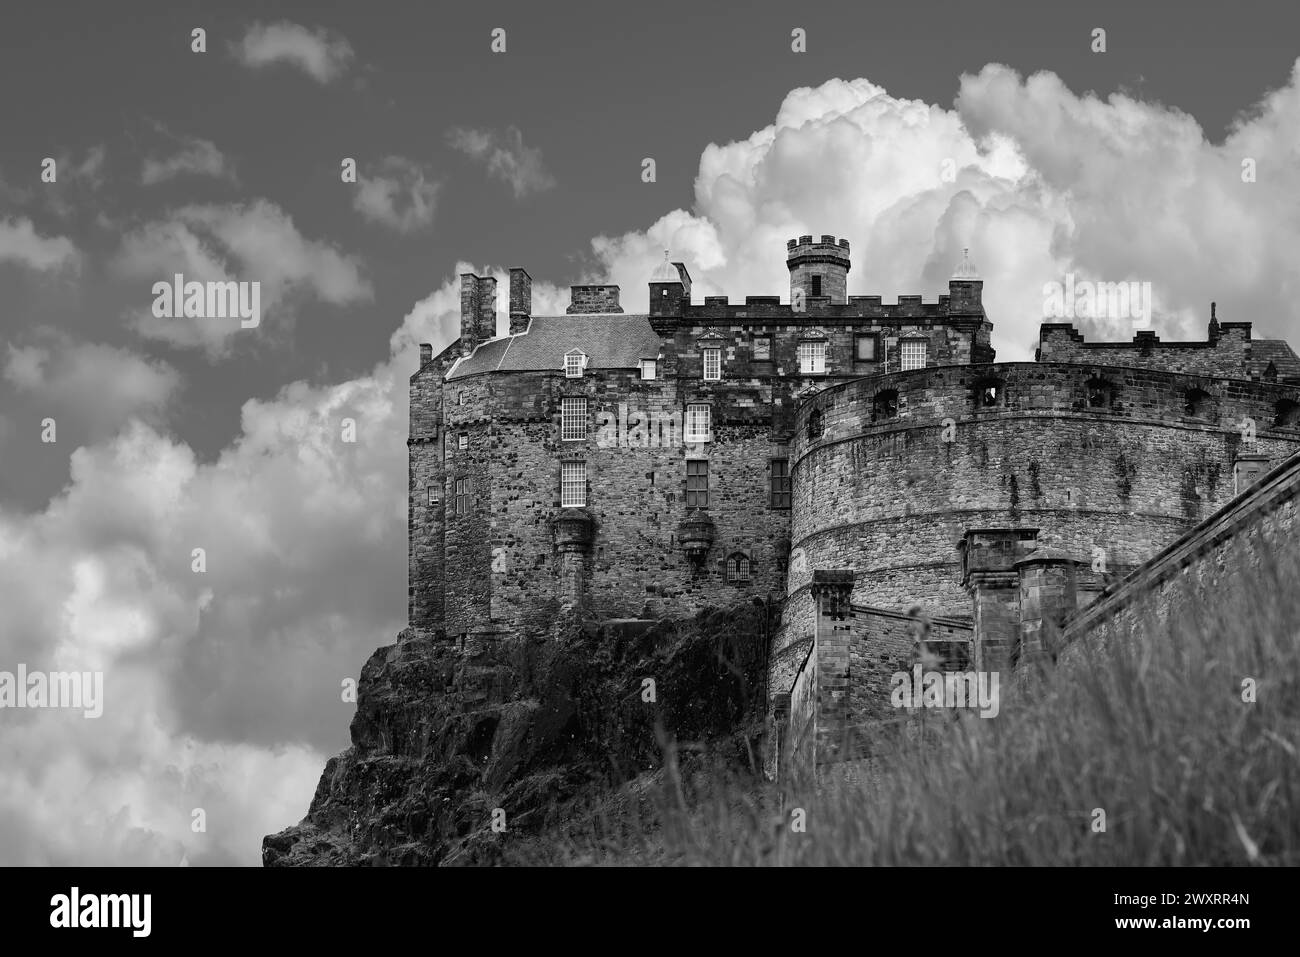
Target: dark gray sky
[(223, 686), (594, 86)]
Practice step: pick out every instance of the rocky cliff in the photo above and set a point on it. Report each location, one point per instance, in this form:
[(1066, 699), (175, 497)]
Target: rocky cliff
[(446, 740)]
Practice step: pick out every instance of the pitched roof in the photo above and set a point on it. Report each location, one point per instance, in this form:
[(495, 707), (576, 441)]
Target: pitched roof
[(609, 341), (1277, 351)]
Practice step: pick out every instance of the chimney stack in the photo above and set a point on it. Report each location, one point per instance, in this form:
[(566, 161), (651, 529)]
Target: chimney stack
[(478, 311), (593, 299), (521, 299)]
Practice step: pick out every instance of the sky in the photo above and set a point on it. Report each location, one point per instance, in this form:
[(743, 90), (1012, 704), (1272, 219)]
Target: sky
[(913, 130)]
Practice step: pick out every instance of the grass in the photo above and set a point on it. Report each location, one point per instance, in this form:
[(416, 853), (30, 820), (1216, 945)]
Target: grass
[(1151, 729)]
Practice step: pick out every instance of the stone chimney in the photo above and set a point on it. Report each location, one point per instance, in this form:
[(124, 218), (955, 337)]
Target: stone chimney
[(478, 311), (521, 299), (593, 299)]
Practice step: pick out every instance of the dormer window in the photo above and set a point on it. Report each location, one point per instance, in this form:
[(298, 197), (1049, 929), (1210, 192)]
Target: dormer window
[(712, 364), (574, 364)]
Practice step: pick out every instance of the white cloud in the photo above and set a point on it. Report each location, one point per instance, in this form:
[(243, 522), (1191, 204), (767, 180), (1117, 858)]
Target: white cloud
[(506, 157), (19, 243), (318, 53), (223, 687), (1046, 182), (196, 157), (254, 241), (98, 387), (399, 197)]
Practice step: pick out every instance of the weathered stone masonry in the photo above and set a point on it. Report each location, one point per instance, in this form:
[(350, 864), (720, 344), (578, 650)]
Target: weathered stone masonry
[(926, 482)]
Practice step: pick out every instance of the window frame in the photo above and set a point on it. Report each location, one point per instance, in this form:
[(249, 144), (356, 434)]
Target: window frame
[(816, 351), (580, 431), (575, 358), (577, 467), (712, 357), (462, 441), (653, 364), (740, 570), (688, 433), (697, 493), (874, 339), (462, 493), (779, 487), (903, 349)]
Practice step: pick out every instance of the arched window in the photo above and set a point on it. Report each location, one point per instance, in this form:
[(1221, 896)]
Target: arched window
[(738, 568)]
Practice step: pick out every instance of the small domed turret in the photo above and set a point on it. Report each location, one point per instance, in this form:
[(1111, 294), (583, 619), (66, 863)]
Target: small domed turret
[(966, 270), (665, 271)]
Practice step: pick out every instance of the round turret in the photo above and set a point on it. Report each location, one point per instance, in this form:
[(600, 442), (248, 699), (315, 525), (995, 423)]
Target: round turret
[(818, 270)]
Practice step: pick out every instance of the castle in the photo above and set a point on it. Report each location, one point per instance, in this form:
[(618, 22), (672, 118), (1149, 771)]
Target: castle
[(862, 465)]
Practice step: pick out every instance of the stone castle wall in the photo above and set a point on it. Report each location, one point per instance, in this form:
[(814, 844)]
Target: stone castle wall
[(1257, 534), (879, 490), (501, 563), (1228, 354)]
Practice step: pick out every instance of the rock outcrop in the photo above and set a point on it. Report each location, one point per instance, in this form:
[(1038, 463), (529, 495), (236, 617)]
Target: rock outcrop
[(445, 738)]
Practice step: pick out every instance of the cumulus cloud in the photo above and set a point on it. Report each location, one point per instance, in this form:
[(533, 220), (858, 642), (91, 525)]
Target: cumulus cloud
[(1036, 180), (398, 196), (193, 156), (223, 687), (506, 157), (20, 243), (322, 55), (98, 387), (254, 241)]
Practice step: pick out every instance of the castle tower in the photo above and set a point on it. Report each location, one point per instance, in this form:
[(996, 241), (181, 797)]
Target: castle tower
[(818, 270), (670, 287), (966, 289)]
